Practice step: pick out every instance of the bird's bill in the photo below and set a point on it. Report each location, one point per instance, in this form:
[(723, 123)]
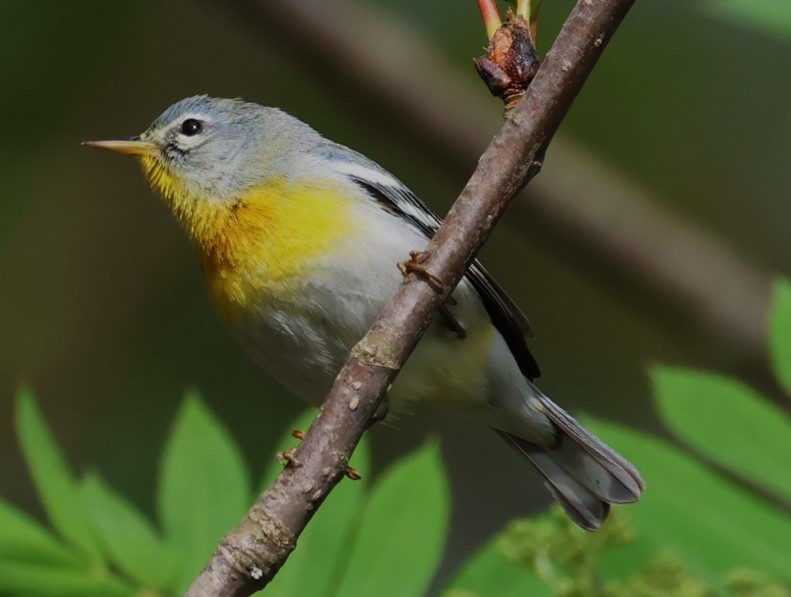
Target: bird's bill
[(133, 146)]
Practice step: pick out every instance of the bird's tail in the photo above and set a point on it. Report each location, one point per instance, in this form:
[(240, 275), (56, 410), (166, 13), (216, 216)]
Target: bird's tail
[(583, 474)]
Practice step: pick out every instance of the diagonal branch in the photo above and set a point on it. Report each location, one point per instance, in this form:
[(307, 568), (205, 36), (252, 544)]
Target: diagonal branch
[(252, 553), (613, 224)]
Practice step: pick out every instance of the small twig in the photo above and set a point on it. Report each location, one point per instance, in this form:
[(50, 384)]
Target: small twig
[(533, 8), (523, 9), (251, 554), (490, 16)]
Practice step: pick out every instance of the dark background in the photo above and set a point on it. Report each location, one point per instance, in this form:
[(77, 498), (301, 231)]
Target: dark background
[(102, 308)]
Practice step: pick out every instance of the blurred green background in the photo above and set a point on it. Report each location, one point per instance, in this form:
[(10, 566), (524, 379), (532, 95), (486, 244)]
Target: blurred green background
[(102, 308)]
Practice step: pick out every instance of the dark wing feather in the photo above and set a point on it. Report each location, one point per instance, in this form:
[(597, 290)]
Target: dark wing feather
[(504, 313), (506, 317)]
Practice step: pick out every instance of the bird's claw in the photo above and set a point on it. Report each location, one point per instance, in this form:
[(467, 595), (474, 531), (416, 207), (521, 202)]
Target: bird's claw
[(415, 266)]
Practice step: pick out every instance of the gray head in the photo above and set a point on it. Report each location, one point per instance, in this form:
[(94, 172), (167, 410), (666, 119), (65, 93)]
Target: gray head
[(203, 147)]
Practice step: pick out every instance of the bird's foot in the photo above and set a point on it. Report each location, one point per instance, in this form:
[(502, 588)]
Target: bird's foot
[(415, 266)]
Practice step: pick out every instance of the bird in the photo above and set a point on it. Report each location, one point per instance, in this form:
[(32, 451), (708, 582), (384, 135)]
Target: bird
[(298, 239)]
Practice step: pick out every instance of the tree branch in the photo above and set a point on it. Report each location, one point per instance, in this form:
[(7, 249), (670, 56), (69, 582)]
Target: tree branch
[(252, 553), (614, 224)]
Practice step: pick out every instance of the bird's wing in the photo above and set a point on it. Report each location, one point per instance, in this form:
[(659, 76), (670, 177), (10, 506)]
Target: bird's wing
[(397, 199)]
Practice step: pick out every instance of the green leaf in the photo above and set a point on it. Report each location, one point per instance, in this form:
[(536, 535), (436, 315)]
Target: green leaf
[(23, 539), (32, 580), (772, 17), (127, 536), (729, 422), (489, 574), (327, 538), (402, 529), (204, 487), (57, 489), (780, 333), (712, 524)]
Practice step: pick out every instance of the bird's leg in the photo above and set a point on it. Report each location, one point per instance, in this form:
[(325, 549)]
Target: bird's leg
[(381, 411), (415, 266), (287, 458), (453, 322)]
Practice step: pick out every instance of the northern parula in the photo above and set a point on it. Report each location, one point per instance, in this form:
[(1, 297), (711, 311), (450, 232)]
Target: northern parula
[(299, 238)]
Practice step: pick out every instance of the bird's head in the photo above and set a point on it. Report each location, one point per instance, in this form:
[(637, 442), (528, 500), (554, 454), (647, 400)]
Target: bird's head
[(204, 149)]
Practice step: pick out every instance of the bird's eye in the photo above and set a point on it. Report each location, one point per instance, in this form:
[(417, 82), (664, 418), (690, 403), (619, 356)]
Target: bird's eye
[(191, 127)]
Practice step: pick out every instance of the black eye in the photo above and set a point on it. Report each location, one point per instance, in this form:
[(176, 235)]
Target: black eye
[(191, 127)]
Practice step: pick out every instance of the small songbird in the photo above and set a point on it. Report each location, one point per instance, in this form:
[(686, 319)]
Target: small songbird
[(299, 238)]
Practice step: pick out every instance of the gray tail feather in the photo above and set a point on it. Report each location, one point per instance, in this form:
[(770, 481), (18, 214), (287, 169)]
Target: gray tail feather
[(583, 474)]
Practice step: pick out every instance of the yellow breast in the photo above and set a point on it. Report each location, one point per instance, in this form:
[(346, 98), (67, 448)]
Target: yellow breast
[(260, 245)]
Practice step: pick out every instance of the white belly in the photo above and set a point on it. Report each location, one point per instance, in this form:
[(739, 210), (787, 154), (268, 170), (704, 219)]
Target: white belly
[(303, 338)]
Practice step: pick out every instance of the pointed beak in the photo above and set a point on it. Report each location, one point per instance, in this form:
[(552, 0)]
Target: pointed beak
[(131, 146)]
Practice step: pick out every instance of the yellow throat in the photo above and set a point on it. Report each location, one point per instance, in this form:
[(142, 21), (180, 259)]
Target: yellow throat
[(261, 244)]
